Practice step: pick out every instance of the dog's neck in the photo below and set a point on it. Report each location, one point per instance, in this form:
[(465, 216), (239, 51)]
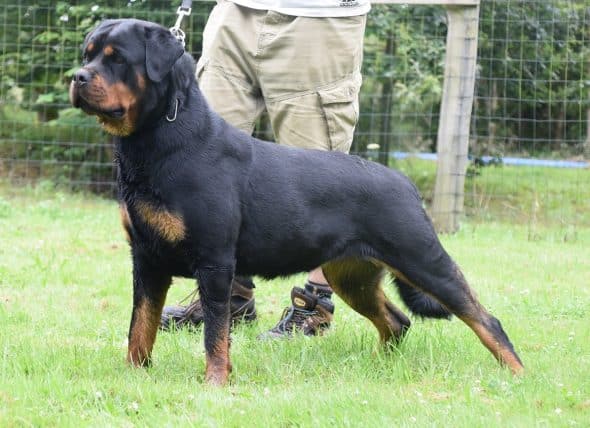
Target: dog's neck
[(165, 100), (181, 126)]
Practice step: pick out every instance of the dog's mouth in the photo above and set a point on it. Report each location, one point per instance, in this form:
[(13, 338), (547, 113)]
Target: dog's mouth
[(116, 114), (79, 100), (87, 107)]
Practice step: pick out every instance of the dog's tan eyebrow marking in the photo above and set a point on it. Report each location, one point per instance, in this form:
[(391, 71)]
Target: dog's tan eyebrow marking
[(108, 50), (90, 47), (168, 225)]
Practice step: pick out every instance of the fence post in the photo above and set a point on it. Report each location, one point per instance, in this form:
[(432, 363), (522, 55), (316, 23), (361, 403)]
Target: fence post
[(455, 116), (587, 142)]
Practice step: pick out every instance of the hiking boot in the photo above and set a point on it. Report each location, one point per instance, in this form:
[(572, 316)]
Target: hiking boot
[(310, 313), (242, 307)]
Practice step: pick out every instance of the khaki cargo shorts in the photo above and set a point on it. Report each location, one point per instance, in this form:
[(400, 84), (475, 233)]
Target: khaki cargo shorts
[(304, 71)]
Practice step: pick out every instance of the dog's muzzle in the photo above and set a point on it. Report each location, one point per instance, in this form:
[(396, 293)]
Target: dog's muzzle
[(84, 96)]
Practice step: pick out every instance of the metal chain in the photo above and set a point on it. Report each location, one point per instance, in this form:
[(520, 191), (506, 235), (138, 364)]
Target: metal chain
[(183, 10)]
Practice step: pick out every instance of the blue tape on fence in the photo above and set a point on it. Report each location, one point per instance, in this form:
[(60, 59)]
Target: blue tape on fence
[(506, 161)]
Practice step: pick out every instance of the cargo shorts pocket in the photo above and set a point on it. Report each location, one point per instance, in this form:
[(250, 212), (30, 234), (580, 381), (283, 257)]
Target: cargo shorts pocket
[(340, 106), (200, 68)]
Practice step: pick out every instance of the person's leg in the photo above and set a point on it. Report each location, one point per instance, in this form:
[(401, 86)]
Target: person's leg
[(229, 84), (309, 72), (225, 72)]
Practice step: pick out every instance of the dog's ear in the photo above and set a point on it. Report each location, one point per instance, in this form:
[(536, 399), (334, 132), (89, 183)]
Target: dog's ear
[(162, 50)]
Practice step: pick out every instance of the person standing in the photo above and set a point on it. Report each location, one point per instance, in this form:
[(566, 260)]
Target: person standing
[(301, 61)]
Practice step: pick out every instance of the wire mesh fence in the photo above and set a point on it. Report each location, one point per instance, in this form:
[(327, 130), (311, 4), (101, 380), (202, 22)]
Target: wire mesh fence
[(532, 92), (533, 88), (42, 137), (532, 101)]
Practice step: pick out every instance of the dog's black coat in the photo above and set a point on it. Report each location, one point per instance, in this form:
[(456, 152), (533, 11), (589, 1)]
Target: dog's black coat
[(202, 199)]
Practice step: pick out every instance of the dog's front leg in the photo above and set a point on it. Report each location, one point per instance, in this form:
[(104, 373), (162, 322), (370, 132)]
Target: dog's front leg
[(150, 287), (215, 291)]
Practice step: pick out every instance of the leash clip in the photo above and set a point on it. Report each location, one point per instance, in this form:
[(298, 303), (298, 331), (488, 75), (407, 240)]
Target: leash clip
[(176, 30)]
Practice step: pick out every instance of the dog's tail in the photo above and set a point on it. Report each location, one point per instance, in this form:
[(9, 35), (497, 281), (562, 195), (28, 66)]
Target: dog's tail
[(420, 303)]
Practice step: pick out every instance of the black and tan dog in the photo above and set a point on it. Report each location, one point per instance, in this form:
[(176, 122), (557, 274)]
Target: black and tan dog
[(201, 199)]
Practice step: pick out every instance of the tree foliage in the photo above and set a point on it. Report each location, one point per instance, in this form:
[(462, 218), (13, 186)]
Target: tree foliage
[(534, 75), (403, 76), (532, 90)]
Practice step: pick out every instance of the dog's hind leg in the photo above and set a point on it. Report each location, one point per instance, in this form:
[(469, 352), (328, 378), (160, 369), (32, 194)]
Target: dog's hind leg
[(436, 274), (418, 302), (150, 287), (358, 283)]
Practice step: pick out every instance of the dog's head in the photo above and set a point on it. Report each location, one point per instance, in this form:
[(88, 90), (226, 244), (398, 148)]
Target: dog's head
[(126, 73)]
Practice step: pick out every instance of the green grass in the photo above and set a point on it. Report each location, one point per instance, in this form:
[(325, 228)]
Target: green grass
[(531, 195), (65, 304)]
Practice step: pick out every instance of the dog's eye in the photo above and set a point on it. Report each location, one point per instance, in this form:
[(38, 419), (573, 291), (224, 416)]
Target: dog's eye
[(117, 58)]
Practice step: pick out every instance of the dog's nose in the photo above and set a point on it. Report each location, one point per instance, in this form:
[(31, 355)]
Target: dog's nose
[(81, 77)]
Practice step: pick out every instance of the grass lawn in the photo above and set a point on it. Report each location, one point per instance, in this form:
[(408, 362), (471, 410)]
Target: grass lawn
[(65, 305)]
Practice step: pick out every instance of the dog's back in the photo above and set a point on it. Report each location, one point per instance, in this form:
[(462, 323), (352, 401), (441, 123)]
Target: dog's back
[(296, 201)]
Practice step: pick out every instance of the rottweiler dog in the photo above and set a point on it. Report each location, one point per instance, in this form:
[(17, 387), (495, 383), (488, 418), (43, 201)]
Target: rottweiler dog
[(202, 199)]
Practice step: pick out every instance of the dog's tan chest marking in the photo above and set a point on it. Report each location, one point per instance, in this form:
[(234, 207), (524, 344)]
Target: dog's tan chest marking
[(125, 221), (168, 225)]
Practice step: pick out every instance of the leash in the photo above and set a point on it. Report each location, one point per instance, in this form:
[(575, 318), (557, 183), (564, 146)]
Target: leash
[(183, 10)]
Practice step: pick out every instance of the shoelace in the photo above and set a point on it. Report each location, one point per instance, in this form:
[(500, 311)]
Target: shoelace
[(293, 316), (195, 304)]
